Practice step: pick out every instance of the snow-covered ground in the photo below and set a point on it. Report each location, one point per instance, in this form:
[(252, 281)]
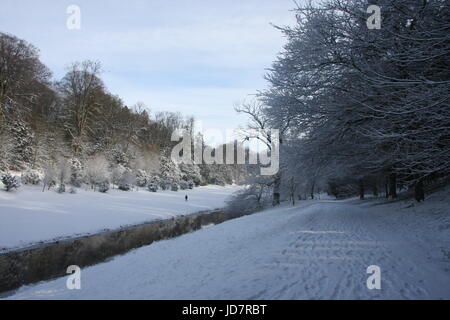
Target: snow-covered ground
[(29, 215), (318, 249)]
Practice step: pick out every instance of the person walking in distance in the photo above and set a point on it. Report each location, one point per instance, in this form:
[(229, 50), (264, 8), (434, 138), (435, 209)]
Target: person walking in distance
[(186, 198)]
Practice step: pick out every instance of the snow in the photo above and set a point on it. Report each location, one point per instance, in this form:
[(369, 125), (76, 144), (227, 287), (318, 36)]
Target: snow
[(316, 250), (29, 215)]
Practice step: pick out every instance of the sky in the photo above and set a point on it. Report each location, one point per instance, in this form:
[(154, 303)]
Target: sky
[(197, 57)]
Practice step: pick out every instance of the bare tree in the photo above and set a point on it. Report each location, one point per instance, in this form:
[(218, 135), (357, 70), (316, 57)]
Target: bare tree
[(80, 88), (259, 128)]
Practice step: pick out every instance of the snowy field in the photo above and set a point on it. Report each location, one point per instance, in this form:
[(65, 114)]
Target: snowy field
[(318, 249), (29, 215)]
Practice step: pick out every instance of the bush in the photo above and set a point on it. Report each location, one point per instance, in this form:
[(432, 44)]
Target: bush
[(124, 186), (142, 179), (31, 177), (152, 187), (191, 184), (62, 188), (10, 182), (103, 187), (126, 181), (97, 171), (174, 186), (184, 185), (164, 184)]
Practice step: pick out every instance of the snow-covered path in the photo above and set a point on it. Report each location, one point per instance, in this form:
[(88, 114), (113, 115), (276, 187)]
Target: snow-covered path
[(317, 250)]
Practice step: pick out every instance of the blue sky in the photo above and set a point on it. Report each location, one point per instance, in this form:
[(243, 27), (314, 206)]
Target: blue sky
[(196, 57)]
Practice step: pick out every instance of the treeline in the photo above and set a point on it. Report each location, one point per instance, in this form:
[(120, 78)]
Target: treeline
[(74, 131), (361, 110)]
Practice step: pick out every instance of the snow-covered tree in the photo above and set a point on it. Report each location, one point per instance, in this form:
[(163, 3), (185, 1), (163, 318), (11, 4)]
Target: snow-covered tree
[(184, 185), (116, 174), (6, 151), (10, 182), (22, 153), (164, 184), (50, 177), (126, 180), (190, 172), (169, 170), (97, 172), (119, 157), (253, 197), (152, 186), (63, 174), (81, 90), (30, 177), (76, 172), (361, 101), (103, 186), (174, 186), (142, 178)]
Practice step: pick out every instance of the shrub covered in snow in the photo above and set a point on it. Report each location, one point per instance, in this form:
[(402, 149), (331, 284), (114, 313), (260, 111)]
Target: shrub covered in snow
[(164, 184), (153, 184), (97, 171), (10, 182), (116, 174), (62, 188), (126, 181), (155, 179), (152, 187), (183, 185), (174, 186), (142, 178), (30, 177), (103, 187), (191, 184), (124, 186)]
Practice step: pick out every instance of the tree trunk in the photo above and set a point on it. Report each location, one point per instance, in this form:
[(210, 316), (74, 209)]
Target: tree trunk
[(386, 188), (419, 194), (361, 189), (393, 185), (312, 190), (276, 190), (276, 198)]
